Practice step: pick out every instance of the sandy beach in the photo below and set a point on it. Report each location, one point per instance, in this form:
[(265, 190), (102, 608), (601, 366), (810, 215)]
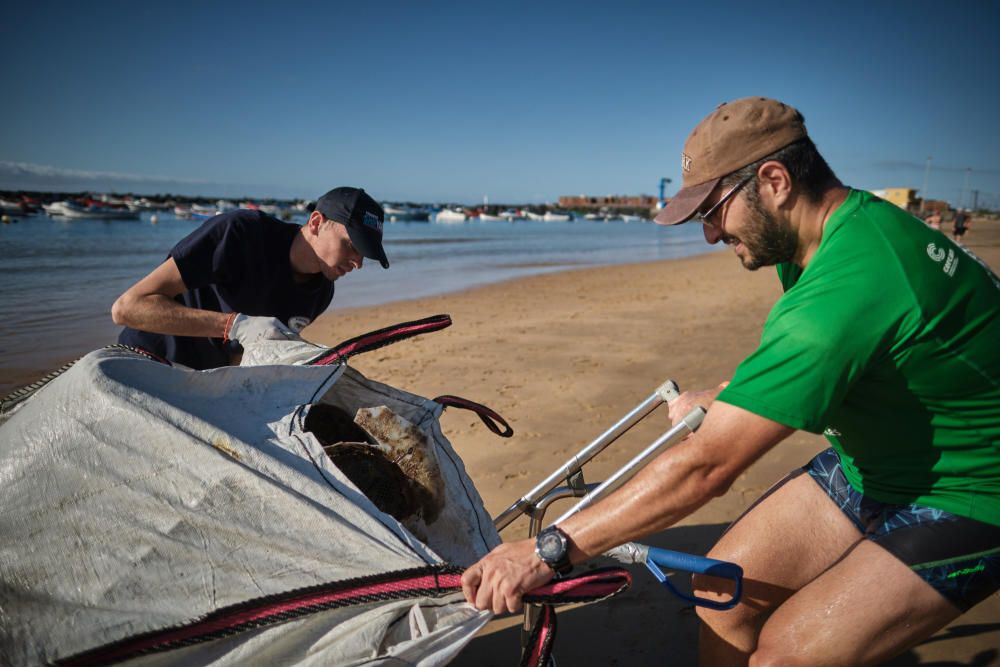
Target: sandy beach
[(564, 356)]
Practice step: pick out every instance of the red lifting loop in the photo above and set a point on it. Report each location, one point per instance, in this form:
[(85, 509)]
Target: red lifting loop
[(489, 417), (373, 340)]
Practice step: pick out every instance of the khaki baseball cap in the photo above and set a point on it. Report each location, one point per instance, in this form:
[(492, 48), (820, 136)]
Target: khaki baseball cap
[(733, 136)]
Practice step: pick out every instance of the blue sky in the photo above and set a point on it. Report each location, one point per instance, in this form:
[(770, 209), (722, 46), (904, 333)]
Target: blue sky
[(436, 101)]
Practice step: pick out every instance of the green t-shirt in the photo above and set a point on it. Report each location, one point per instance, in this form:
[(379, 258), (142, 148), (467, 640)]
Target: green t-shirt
[(889, 343)]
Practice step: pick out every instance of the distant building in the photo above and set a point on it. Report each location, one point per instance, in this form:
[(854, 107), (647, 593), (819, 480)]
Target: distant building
[(904, 198), (934, 206), (610, 201)]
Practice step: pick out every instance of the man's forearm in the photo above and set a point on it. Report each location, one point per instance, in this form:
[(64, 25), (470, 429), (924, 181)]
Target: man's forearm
[(157, 313), (678, 482), (664, 492)]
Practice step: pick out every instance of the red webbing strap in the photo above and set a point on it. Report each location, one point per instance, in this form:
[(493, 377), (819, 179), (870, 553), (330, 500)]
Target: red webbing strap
[(417, 582), (591, 587), (594, 586), (488, 416), (538, 650), (380, 338)]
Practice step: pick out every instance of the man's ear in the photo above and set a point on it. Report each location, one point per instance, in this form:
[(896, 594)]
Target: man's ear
[(775, 183), (314, 222)]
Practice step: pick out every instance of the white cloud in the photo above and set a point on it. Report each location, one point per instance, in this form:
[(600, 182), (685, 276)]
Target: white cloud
[(29, 176)]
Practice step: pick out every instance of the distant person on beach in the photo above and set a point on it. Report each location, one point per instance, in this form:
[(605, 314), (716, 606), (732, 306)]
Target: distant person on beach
[(961, 225), (885, 341), (245, 276), (934, 220)]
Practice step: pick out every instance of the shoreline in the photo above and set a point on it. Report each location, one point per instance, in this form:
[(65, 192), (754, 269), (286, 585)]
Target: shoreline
[(13, 378)]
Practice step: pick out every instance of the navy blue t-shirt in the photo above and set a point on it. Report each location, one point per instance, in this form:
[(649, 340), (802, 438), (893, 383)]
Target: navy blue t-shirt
[(236, 262)]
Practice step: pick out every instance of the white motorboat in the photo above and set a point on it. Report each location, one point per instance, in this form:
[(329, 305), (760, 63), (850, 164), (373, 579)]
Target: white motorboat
[(93, 211), (486, 217), (54, 209), (593, 216), (147, 204), (552, 216), (534, 216), (511, 214), (632, 218), (449, 216)]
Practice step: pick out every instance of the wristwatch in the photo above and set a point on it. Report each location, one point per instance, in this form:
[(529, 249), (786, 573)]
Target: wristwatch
[(552, 547)]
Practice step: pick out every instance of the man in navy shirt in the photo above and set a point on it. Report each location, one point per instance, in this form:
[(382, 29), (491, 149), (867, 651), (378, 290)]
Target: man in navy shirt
[(245, 276)]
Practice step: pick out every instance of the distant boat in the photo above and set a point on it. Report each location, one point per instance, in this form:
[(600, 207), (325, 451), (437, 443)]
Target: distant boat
[(95, 211), (146, 204), (53, 209), (56, 208), (183, 212), (632, 218), (511, 214), (450, 215), (276, 210), (593, 216), (9, 207), (201, 212), (486, 217), (534, 216), (405, 213), (552, 216)]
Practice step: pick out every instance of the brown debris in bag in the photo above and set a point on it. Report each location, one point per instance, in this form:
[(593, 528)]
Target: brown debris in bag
[(410, 449), (385, 456)]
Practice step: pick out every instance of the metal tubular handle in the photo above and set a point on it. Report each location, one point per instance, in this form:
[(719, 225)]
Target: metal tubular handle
[(688, 425), (665, 392)]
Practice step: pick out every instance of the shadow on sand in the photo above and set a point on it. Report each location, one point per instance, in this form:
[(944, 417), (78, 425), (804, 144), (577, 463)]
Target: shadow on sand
[(647, 625)]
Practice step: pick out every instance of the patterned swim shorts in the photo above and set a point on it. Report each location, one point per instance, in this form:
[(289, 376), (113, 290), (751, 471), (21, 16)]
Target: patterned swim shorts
[(957, 556)]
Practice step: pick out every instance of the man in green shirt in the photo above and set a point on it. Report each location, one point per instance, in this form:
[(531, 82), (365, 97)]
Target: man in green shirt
[(887, 340)]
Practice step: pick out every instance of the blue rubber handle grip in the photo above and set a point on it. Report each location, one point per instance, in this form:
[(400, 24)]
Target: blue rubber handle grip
[(675, 560)]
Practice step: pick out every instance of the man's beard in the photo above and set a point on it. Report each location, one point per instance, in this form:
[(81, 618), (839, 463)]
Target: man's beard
[(767, 240)]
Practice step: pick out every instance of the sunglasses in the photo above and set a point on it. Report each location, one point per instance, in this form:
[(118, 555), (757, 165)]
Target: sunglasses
[(705, 218)]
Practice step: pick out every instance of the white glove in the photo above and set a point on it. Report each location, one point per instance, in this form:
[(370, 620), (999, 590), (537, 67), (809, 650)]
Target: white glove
[(247, 330)]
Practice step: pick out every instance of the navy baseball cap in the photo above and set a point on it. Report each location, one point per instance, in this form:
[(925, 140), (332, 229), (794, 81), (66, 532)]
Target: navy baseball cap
[(363, 217)]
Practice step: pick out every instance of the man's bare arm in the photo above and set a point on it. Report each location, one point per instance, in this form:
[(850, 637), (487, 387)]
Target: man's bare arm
[(149, 306), (674, 485), (679, 481)]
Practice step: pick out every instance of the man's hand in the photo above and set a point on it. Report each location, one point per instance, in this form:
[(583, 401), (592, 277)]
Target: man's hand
[(247, 330), (680, 407), (499, 581)]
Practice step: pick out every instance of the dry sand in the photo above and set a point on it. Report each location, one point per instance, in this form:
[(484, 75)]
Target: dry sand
[(562, 357)]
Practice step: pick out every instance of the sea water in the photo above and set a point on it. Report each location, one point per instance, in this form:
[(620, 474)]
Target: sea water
[(58, 278)]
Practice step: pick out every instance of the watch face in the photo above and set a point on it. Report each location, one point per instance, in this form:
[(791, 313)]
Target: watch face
[(550, 546)]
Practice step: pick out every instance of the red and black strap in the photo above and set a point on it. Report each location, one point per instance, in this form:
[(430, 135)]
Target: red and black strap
[(418, 582)]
